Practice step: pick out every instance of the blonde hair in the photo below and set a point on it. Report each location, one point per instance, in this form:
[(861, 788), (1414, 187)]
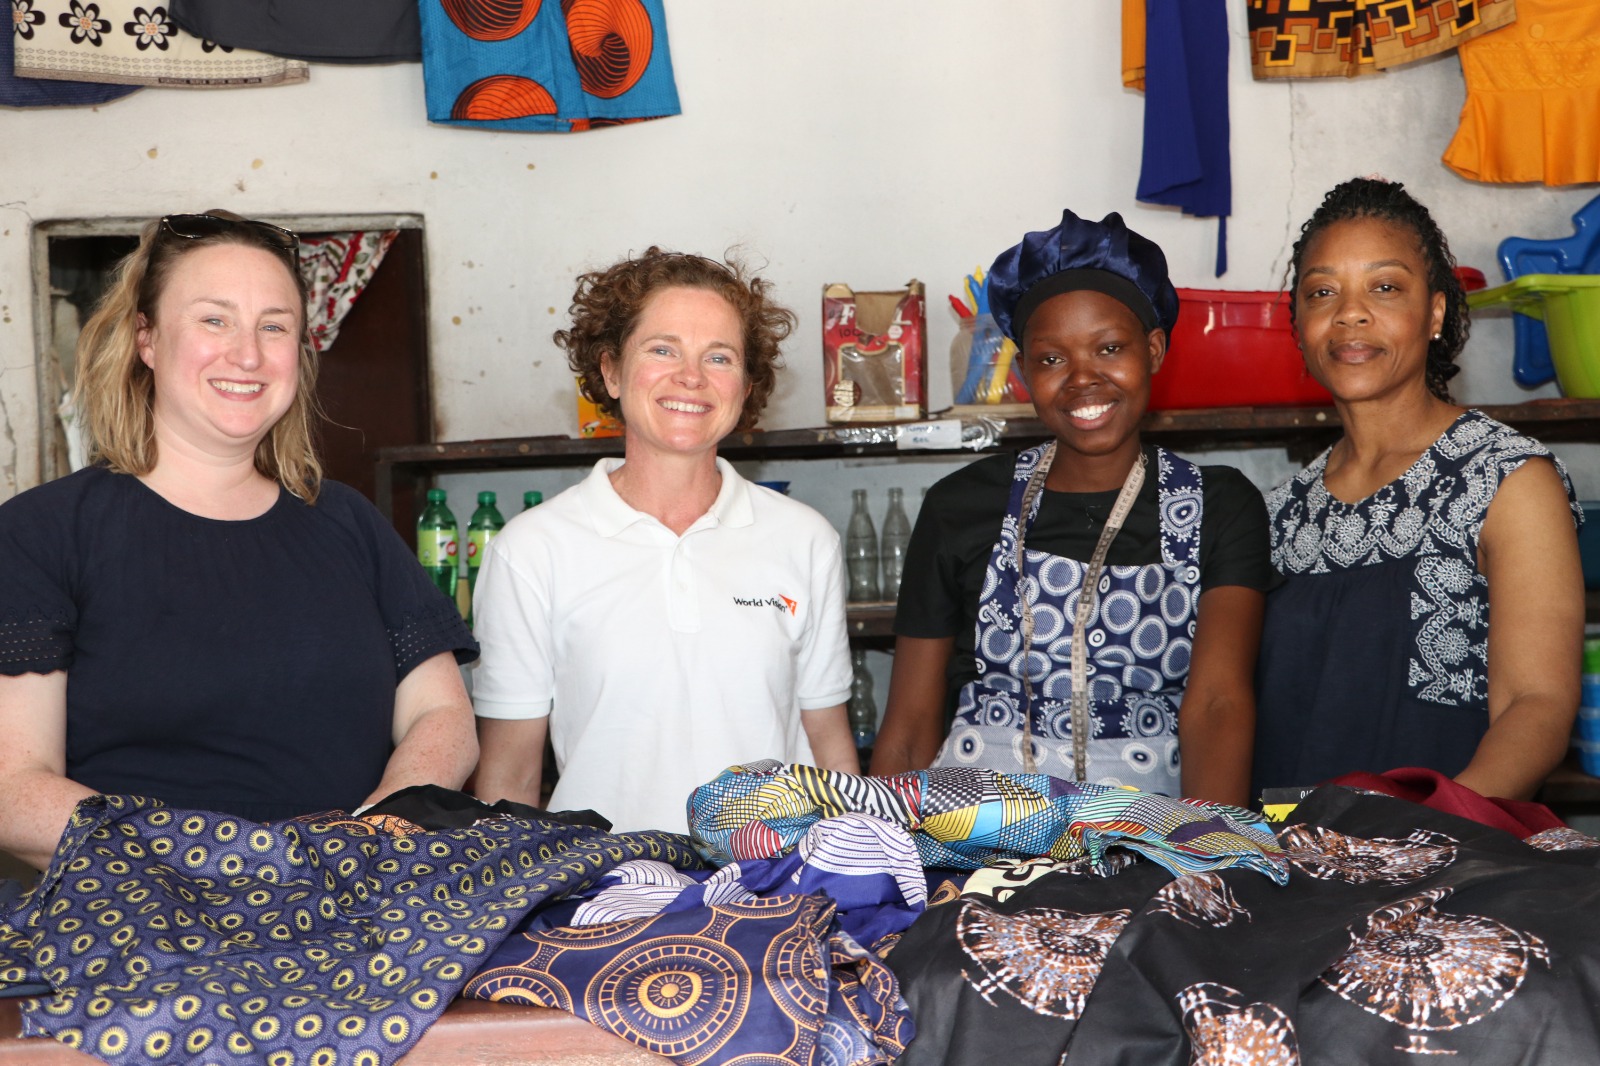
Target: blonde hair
[(115, 390)]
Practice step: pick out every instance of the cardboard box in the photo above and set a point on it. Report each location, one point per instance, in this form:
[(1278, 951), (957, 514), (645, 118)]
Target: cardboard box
[(875, 354)]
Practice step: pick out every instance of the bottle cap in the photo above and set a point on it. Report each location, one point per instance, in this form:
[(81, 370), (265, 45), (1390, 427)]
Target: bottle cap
[(485, 499), (532, 499), (436, 495)]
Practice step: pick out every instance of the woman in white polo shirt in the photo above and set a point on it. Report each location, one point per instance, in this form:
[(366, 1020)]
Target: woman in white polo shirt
[(665, 618)]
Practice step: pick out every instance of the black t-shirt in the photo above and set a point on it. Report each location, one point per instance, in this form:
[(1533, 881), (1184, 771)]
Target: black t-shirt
[(959, 524), (248, 667)]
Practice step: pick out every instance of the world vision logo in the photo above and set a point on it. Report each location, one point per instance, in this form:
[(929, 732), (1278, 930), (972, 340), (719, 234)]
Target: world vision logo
[(782, 603)]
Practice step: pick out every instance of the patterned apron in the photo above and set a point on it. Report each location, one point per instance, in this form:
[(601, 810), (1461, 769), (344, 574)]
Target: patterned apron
[(1140, 636)]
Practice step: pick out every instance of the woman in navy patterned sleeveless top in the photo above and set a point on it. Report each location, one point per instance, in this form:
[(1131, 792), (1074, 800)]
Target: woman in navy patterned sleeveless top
[(1378, 650)]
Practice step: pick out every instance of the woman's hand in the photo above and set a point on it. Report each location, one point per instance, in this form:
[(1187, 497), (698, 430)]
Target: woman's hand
[(36, 798), (1217, 721), (832, 745), (1529, 552), (435, 743), (913, 721)]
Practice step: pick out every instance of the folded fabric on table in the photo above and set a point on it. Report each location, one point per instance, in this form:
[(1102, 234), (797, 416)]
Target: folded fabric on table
[(867, 866), (188, 936), (1403, 932), (962, 817), (767, 981)]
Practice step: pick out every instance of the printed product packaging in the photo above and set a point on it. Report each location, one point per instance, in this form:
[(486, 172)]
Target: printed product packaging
[(875, 354)]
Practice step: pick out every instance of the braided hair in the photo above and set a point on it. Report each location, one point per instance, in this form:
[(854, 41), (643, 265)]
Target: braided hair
[(1388, 201)]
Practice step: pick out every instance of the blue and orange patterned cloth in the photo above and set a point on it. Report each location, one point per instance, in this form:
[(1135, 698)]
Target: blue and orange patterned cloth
[(962, 818), (546, 66), (187, 936)]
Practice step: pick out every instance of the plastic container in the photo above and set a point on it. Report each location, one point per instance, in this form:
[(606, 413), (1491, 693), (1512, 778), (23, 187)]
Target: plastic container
[(1234, 349), (1589, 756), (1569, 305)]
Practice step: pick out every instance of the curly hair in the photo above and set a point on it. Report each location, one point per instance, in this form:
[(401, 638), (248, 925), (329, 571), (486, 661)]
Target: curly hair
[(115, 390), (607, 304), (1388, 201)]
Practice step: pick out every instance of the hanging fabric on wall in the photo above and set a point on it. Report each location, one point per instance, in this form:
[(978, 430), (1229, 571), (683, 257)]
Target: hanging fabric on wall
[(374, 31), (337, 267), (1345, 38), (1533, 98), (122, 42), (539, 65), (1186, 158), (40, 92), (1133, 44)]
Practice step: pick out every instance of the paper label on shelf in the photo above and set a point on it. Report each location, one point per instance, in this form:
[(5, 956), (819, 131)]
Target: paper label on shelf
[(930, 436)]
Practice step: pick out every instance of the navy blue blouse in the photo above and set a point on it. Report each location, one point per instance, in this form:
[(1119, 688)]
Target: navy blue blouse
[(1375, 650), (248, 667)]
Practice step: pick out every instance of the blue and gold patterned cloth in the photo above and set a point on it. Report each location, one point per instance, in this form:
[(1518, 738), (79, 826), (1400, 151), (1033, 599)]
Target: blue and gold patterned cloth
[(961, 817), (186, 936)]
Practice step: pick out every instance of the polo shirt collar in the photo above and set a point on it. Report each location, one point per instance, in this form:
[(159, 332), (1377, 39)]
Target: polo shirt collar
[(612, 515)]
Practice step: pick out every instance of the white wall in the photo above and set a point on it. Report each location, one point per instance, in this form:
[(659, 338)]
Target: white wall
[(834, 140)]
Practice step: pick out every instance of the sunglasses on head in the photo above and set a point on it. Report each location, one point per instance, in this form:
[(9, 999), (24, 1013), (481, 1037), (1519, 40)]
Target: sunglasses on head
[(193, 227)]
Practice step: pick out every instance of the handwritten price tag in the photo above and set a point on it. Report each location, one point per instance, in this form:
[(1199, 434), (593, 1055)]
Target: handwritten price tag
[(942, 435)]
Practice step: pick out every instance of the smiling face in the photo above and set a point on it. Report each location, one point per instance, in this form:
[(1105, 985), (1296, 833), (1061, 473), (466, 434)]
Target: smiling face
[(1363, 310), (224, 348), (1087, 361), (680, 375)]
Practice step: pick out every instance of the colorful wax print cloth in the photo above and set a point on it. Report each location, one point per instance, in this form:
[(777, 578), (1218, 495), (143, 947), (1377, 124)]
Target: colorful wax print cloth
[(1140, 637), (1532, 111), (1401, 932), (1391, 582), (543, 66), (768, 981), (337, 267), (869, 868), (961, 818), (132, 43), (185, 936), (44, 92), (1344, 38), (373, 31)]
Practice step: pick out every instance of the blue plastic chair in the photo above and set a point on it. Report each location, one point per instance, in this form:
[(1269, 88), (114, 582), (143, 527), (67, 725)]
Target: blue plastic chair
[(1577, 254)]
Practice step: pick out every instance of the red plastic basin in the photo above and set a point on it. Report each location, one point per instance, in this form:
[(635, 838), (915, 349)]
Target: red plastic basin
[(1234, 349)]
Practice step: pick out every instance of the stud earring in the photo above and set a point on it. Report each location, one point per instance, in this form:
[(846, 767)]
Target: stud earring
[(1436, 336)]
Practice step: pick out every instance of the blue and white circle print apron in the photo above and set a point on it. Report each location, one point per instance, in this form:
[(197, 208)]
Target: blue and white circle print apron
[(1140, 636)]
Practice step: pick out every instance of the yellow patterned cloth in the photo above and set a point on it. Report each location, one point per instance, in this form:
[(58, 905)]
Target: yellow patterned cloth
[(963, 817), (1345, 38)]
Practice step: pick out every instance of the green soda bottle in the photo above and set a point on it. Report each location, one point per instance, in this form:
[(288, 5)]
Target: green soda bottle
[(438, 540), (531, 499), (486, 522)]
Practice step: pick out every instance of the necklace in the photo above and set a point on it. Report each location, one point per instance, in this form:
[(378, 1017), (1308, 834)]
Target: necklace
[(1088, 592)]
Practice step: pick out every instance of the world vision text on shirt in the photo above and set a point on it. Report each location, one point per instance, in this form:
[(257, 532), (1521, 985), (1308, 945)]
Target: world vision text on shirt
[(781, 602)]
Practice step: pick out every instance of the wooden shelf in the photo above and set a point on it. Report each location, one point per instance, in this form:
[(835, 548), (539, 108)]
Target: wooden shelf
[(1568, 787), (870, 619)]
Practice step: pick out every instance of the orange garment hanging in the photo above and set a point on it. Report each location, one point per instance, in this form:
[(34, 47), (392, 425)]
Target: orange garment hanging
[(1133, 44), (1349, 38), (1533, 98)]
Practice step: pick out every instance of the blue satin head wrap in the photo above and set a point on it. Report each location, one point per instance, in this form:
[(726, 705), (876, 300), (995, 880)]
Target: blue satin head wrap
[(1078, 254)]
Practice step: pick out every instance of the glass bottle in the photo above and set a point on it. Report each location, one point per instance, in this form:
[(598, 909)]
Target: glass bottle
[(862, 709), (438, 540), (861, 551), (892, 550), (485, 524)]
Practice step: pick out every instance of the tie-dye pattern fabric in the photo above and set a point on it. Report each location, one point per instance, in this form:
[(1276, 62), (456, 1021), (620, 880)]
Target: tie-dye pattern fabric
[(961, 818), (186, 936)]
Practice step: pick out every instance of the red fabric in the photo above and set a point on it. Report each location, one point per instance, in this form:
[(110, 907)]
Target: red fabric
[(1433, 789)]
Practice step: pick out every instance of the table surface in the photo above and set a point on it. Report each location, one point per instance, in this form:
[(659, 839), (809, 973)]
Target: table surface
[(470, 1033)]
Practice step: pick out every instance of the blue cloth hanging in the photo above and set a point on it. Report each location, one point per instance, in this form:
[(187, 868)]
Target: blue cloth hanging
[(1186, 159), (543, 66)]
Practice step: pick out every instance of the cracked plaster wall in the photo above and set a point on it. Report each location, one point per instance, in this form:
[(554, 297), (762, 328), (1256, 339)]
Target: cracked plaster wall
[(835, 141)]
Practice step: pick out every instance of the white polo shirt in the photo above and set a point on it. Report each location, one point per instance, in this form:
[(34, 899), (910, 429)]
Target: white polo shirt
[(661, 660)]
